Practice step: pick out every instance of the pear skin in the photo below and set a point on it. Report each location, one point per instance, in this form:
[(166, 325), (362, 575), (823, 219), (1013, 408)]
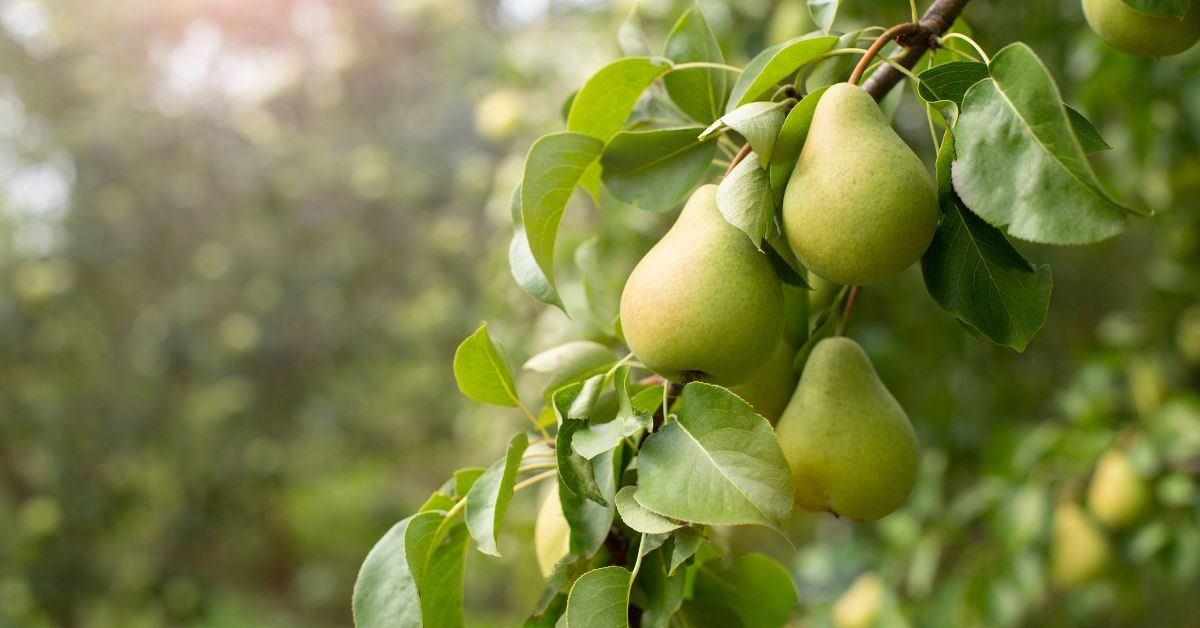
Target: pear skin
[(860, 206), (703, 303), (772, 385), (1117, 495), (1142, 35), (551, 533), (852, 450), (1079, 550)]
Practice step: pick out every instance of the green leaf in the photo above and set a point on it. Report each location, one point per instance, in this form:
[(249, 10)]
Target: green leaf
[(755, 587), (758, 122), (745, 200), (413, 576), (606, 100), (656, 169), (790, 142), (603, 297), (556, 163), (974, 273), (699, 92), (950, 81), (589, 521), (488, 499), (571, 362), (656, 592), (823, 327), (547, 617), (773, 65), (1019, 164), (1089, 138), (943, 55), (718, 463), (1160, 8), (600, 599), (687, 541), (482, 374), (787, 266), (637, 517), (437, 501), (572, 405), (523, 267), (701, 613), (824, 12), (601, 437), (464, 479), (835, 69)]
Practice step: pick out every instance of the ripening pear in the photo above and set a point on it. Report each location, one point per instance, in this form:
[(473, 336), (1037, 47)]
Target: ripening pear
[(1137, 33), (703, 303), (859, 606), (1079, 550), (851, 447), (770, 387), (1117, 495), (551, 533), (860, 205)]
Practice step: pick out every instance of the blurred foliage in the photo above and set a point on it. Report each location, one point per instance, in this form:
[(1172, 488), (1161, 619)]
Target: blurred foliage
[(239, 241)]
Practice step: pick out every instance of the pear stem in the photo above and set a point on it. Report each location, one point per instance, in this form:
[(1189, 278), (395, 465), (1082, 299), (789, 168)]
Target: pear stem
[(937, 20), (737, 159), (880, 42), (850, 301)]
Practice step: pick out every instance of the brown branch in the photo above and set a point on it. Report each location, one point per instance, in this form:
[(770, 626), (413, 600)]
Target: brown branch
[(894, 32), (937, 20)]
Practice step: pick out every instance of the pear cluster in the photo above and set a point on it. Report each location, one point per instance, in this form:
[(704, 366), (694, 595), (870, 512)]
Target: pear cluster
[(1140, 34), (706, 304)]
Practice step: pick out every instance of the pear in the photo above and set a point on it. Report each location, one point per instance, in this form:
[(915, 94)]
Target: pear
[(860, 205), (771, 386), (704, 303), (1136, 33), (1117, 495), (551, 533), (859, 606), (851, 447), (1079, 550)]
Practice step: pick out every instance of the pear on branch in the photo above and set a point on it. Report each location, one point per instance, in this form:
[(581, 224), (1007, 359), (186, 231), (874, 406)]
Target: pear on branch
[(1140, 34), (1117, 495)]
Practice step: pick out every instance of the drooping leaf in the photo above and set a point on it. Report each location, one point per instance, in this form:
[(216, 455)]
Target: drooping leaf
[(607, 98), (573, 405), (482, 373), (656, 169), (1160, 8), (1089, 138), (570, 362), (755, 587), (790, 142), (718, 463), (637, 517), (824, 12), (687, 541), (600, 599), (699, 92), (589, 521), (974, 273), (758, 122), (657, 592), (1019, 164), (487, 501), (521, 264), (773, 65), (950, 81), (601, 437), (745, 200)]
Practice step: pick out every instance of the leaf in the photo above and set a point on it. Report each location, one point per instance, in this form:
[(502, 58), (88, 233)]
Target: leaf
[(487, 501), (835, 69), (548, 616), (718, 463), (773, 65), (637, 517), (1089, 138), (1019, 164), (823, 327), (701, 613), (607, 98), (656, 169), (554, 166), (787, 267), (589, 521), (572, 405), (481, 373), (656, 592), (523, 267), (699, 92), (943, 55), (413, 576), (823, 12), (755, 587), (603, 298), (464, 479), (571, 362), (790, 142), (1160, 8), (600, 599), (745, 200), (758, 122), (950, 81), (687, 540), (601, 437)]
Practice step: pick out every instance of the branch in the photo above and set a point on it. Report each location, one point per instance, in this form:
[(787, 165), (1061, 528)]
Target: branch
[(937, 20)]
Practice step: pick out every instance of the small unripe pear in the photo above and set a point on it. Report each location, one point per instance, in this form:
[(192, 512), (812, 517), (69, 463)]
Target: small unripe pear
[(1079, 550), (770, 387), (1137, 33), (703, 303), (859, 606), (551, 533), (1117, 495)]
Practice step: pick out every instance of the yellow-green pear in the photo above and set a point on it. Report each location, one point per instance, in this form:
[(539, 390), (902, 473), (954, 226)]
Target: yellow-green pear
[(551, 533), (851, 447), (703, 303), (859, 606), (860, 205), (1137, 33), (1079, 550), (770, 387), (1117, 495)]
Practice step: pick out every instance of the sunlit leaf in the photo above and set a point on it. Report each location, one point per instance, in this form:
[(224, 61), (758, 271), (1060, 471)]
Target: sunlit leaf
[(773, 65), (487, 501), (600, 599), (699, 92), (482, 373)]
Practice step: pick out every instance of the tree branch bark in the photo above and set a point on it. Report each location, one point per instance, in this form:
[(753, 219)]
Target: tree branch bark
[(937, 20)]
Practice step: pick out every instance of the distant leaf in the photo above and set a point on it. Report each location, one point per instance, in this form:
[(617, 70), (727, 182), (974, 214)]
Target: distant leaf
[(687, 540), (719, 463), (1089, 138), (701, 613), (603, 297), (773, 65), (835, 69), (824, 12), (755, 587), (1160, 8), (638, 517), (601, 437), (481, 373), (570, 362), (556, 163), (1019, 164), (413, 576), (607, 98), (745, 200), (950, 81), (790, 142), (656, 169), (630, 36), (699, 92), (600, 599), (488, 499)]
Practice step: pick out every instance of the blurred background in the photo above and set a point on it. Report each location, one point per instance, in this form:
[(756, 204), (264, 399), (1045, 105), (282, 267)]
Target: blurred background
[(240, 239)]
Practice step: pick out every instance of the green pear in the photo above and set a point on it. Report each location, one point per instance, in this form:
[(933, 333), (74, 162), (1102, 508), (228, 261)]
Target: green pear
[(551, 533), (1136, 33), (859, 606), (860, 205), (1079, 550), (703, 303), (1117, 495), (770, 387), (851, 447)]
